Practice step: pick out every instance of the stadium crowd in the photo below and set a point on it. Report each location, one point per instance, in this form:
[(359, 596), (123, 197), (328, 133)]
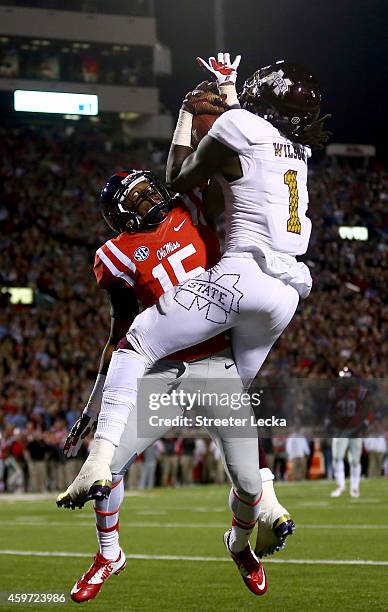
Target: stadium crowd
[(50, 228)]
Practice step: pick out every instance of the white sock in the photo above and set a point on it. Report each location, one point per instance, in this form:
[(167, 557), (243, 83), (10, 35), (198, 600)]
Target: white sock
[(355, 473), (245, 513), (107, 520), (339, 472), (120, 394), (269, 504)]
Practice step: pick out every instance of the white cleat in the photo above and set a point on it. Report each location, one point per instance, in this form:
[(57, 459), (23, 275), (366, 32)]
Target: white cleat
[(274, 524), (355, 493), (337, 492), (271, 537), (94, 480)]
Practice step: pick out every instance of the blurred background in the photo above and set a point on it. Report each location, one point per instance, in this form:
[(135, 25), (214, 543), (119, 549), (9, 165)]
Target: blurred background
[(136, 58)]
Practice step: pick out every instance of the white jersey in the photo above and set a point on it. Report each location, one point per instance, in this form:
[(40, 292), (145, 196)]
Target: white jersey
[(267, 206)]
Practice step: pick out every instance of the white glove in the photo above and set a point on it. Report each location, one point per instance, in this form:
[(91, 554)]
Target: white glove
[(222, 68)]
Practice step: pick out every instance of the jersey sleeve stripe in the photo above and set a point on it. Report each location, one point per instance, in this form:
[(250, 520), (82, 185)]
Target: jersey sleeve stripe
[(112, 268), (120, 255)]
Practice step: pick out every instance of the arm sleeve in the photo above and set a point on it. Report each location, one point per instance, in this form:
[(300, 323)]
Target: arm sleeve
[(123, 303)]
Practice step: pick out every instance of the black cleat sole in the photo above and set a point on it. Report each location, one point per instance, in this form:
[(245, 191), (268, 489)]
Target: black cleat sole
[(99, 490)]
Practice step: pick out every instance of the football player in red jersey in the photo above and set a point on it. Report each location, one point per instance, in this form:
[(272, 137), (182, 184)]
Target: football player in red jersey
[(162, 241), (349, 416)]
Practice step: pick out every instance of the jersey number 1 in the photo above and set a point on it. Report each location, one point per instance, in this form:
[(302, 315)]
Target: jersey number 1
[(293, 223)]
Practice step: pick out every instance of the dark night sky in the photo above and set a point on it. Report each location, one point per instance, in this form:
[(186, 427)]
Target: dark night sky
[(342, 41)]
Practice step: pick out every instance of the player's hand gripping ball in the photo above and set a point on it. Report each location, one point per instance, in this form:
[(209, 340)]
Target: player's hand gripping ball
[(206, 105), (204, 99)]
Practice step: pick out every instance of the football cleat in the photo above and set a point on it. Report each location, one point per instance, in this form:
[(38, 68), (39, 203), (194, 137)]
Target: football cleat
[(90, 583), (355, 493), (337, 492), (99, 490), (249, 566), (94, 480), (271, 538), (274, 524)]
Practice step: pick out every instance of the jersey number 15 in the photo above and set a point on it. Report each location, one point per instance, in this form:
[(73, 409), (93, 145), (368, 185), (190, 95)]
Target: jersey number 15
[(175, 260)]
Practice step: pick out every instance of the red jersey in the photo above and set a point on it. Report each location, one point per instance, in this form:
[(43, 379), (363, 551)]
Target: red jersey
[(152, 262), (347, 408)]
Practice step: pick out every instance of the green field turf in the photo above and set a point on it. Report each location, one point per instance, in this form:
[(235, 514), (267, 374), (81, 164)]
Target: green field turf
[(190, 522)]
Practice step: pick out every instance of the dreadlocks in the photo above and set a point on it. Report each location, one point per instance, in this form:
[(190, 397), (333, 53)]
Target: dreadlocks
[(313, 135)]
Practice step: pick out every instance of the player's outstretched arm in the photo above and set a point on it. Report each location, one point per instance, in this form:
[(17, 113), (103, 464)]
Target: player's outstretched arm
[(211, 158), (124, 308), (225, 72), (204, 99)]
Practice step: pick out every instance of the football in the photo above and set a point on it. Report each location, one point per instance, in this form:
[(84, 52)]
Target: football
[(201, 126)]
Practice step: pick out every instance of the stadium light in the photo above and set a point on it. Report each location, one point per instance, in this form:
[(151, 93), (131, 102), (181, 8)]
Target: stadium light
[(353, 232), (19, 295), (55, 102)]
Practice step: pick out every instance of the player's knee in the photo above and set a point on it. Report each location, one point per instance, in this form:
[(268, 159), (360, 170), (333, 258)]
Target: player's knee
[(248, 484)]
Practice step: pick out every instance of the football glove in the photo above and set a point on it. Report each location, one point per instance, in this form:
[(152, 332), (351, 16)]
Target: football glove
[(80, 430), (222, 68), (204, 100)]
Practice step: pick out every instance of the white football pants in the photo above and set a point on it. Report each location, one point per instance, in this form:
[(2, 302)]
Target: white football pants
[(235, 294), (341, 445), (239, 453), (354, 448)]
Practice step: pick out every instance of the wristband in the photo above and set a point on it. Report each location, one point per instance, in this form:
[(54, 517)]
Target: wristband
[(93, 406), (229, 90), (182, 134)]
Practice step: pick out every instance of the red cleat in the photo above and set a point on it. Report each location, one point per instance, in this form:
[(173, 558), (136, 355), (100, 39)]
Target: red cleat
[(89, 585), (249, 566)]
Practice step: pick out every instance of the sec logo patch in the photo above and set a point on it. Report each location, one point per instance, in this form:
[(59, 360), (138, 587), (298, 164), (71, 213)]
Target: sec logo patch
[(141, 253)]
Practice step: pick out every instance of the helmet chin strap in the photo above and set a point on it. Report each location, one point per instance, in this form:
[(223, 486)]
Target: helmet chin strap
[(137, 222), (159, 211)]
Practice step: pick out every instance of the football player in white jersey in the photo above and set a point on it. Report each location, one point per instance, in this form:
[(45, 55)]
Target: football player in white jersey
[(209, 364), (259, 156)]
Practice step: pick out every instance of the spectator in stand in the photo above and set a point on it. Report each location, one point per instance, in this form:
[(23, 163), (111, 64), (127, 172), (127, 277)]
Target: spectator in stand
[(217, 472), (266, 444), (169, 462), (134, 473), (36, 459), (298, 450), (149, 464), (200, 460), (186, 448), (377, 448), (280, 456)]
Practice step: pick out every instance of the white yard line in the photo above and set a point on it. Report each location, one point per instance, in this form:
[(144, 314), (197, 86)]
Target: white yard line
[(40, 553)]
